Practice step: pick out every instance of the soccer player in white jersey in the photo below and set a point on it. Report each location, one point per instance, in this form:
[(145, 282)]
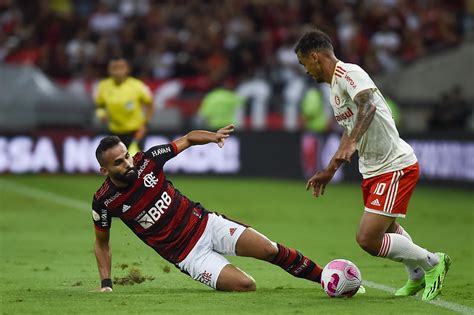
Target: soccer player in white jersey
[(387, 163)]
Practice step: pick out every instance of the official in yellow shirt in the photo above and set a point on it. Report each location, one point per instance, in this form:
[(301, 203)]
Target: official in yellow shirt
[(125, 103)]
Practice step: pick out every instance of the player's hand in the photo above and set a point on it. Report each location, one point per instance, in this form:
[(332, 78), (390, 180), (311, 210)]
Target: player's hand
[(104, 289), (222, 134), (101, 113), (319, 181)]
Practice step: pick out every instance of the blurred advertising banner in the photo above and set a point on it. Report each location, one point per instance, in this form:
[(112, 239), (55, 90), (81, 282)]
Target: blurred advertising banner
[(265, 154), (275, 154)]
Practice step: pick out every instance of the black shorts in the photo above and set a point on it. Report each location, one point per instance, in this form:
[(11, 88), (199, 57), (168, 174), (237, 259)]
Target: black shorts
[(127, 139)]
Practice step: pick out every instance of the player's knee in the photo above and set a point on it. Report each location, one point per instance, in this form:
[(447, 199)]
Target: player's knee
[(269, 251), (367, 244), (246, 284)]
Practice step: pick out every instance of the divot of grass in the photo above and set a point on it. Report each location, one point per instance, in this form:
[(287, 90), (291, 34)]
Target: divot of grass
[(134, 276)]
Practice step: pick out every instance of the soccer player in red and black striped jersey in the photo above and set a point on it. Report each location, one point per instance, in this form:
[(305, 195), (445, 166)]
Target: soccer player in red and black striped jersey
[(180, 230)]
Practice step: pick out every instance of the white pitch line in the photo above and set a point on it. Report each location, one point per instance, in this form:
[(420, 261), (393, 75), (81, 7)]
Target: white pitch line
[(44, 195), (444, 304), (70, 202)]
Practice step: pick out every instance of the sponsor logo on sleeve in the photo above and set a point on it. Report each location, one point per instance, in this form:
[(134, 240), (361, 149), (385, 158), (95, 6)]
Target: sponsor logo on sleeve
[(95, 216), (160, 151), (109, 200), (350, 81)]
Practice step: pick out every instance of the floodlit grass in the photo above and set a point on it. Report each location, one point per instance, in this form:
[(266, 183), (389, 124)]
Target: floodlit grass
[(48, 265)]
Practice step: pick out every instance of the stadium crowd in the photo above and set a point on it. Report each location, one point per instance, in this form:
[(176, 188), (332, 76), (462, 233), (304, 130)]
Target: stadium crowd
[(221, 39)]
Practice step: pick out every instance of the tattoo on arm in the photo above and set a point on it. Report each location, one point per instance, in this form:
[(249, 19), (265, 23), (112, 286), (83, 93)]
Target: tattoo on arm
[(365, 114)]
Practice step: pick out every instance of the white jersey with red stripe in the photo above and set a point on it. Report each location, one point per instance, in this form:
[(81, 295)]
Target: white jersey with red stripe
[(380, 149)]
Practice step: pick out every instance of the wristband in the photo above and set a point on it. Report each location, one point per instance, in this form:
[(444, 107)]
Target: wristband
[(106, 283)]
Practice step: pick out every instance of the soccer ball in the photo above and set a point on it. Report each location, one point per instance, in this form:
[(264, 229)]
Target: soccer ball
[(341, 278)]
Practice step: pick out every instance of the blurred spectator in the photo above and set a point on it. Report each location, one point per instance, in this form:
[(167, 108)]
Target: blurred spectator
[(80, 51), (293, 81), (105, 21), (219, 108), (238, 39), (129, 8), (314, 114), (386, 44), (125, 103), (255, 92), (453, 113), (180, 40)]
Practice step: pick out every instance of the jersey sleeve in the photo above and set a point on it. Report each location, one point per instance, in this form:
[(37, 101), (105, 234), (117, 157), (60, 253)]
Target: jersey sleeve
[(145, 93), (162, 153), (101, 217), (99, 95), (357, 81)]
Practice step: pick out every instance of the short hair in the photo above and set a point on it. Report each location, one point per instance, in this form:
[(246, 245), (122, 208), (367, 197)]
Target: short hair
[(105, 144), (117, 58), (313, 40)]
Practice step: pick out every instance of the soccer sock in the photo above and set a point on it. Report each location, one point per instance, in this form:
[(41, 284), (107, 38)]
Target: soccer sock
[(400, 230), (399, 248), (296, 264), (414, 271)]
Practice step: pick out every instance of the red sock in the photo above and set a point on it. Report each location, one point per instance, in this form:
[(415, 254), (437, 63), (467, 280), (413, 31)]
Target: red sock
[(296, 264)]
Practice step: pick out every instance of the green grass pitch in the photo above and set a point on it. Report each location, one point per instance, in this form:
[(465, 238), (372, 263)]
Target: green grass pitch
[(48, 265)]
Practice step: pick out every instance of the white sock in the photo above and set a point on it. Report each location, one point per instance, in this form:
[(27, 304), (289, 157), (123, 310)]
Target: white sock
[(414, 271), (399, 248)]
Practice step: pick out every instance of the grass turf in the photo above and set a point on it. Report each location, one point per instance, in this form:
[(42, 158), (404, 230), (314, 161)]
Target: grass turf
[(48, 265)]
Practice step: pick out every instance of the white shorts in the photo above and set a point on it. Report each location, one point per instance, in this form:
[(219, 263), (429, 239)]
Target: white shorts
[(205, 262)]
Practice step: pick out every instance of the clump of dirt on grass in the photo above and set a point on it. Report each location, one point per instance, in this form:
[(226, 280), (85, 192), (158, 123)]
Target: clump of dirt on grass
[(134, 276), (123, 266)]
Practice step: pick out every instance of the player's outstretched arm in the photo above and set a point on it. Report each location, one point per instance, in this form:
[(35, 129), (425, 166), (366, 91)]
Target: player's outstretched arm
[(197, 137), (103, 256), (365, 114), (319, 180)]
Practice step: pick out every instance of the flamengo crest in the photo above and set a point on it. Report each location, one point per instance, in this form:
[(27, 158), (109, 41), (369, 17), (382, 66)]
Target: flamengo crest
[(149, 180)]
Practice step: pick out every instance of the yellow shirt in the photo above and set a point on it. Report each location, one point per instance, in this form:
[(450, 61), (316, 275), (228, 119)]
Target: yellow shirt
[(123, 103)]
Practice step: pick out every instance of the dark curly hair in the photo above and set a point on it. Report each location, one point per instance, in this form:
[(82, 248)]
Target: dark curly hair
[(105, 144), (313, 40)]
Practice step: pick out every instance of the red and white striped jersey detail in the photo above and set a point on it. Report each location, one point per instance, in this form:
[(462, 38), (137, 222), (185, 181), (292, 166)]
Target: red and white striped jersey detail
[(339, 71), (385, 248), (392, 191)]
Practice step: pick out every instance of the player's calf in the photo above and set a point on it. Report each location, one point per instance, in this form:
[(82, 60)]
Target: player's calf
[(297, 264), (369, 243)]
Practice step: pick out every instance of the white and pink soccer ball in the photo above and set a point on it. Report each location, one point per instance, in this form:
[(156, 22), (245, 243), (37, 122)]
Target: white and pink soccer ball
[(341, 278)]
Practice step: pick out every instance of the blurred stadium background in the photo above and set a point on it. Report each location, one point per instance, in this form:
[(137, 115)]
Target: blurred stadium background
[(53, 53)]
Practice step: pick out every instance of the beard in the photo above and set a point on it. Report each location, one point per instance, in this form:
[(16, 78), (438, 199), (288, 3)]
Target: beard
[(128, 178)]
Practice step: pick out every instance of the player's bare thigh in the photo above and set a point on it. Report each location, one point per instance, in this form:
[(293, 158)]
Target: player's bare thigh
[(372, 228), (254, 244)]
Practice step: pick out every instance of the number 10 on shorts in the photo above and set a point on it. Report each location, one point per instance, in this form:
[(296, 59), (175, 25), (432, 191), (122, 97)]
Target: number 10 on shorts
[(379, 189)]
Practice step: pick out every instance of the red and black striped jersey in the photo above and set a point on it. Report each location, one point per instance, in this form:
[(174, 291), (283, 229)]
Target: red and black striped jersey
[(152, 208)]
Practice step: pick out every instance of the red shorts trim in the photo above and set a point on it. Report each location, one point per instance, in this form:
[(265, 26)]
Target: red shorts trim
[(388, 194)]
